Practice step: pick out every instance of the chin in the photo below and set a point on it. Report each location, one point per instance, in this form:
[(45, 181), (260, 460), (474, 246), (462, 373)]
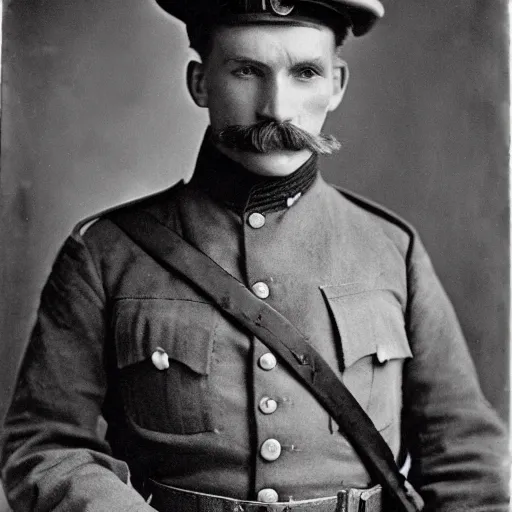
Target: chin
[(274, 163)]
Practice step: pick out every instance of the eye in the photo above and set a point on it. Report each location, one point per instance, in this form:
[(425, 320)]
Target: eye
[(307, 73), (245, 71)]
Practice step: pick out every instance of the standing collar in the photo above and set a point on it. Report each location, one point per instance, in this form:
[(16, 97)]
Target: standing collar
[(244, 191)]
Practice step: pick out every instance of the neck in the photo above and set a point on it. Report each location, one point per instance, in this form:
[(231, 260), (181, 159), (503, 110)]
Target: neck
[(241, 189)]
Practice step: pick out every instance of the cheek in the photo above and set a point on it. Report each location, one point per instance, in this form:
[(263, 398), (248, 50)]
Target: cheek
[(319, 100), (315, 107), (230, 103)]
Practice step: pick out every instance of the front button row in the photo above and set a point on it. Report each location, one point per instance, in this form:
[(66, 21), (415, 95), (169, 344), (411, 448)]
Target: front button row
[(256, 220), (268, 496), (270, 450), (261, 290), (267, 361), (267, 405)]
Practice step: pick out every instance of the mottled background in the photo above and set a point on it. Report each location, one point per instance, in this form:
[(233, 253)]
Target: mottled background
[(95, 112)]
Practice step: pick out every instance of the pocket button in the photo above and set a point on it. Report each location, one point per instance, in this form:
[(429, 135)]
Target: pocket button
[(382, 354), (160, 359)]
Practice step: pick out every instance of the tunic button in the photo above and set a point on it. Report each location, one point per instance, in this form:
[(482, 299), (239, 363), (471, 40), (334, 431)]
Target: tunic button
[(256, 220), (267, 405), (261, 290), (271, 450), (160, 359), (268, 361), (382, 354), (268, 496)]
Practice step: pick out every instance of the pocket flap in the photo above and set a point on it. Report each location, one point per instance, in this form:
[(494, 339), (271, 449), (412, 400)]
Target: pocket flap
[(183, 329), (369, 321)]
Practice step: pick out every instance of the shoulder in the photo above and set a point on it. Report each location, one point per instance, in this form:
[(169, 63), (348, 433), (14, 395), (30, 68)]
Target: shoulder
[(370, 215), (95, 224), (373, 225), (377, 211)]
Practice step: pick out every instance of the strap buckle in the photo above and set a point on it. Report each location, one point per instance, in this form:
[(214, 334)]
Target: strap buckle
[(360, 500)]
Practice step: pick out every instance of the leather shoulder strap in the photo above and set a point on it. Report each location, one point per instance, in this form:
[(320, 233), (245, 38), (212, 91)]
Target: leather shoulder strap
[(275, 331)]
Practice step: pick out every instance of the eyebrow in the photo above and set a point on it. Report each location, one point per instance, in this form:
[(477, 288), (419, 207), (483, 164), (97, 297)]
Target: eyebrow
[(244, 60), (315, 61)]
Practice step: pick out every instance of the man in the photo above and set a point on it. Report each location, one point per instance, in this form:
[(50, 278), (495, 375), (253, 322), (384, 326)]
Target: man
[(197, 406)]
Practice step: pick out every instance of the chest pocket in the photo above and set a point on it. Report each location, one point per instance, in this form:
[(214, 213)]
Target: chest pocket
[(167, 391), (374, 347)]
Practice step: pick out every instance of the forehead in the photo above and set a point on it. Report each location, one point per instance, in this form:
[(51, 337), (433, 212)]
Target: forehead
[(267, 42)]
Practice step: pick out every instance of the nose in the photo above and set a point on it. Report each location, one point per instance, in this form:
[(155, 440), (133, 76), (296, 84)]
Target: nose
[(276, 103)]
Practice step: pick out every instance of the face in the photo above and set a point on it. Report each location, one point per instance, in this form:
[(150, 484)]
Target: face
[(278, 72)]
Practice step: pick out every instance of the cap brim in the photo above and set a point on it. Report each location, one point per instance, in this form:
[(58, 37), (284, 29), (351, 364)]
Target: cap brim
[(373, 6), (363, 13)]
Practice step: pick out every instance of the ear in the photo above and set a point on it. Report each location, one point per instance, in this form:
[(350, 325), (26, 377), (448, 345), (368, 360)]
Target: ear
[(340, 82), (196, 83)]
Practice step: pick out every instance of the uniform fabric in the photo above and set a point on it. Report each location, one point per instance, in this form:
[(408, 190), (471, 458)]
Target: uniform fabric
[(352, 277), (280, 336)]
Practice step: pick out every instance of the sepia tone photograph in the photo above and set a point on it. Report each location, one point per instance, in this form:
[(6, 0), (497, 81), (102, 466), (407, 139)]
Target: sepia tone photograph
[(255, 256)]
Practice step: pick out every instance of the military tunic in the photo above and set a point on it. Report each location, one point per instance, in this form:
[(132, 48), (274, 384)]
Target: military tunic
[(193, 401)]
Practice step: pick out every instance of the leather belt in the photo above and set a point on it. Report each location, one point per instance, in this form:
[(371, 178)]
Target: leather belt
[(165, 498)]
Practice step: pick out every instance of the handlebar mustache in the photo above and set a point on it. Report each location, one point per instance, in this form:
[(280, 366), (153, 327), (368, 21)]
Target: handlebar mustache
[(266, 136)]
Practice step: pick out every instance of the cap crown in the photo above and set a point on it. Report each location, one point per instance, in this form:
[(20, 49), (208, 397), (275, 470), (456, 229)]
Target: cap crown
[(361, 14)]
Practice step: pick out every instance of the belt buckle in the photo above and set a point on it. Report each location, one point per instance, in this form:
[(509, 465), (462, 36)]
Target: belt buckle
[(360, 500)]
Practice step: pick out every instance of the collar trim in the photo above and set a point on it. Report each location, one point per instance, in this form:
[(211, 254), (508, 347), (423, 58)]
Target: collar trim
[(245, 192)]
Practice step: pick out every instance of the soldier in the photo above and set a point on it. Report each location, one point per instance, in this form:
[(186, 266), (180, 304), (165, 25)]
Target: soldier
[(203, 414)]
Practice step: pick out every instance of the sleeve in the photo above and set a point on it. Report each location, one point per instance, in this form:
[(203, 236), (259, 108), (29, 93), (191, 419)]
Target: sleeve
[(458, 445), (53, 457)]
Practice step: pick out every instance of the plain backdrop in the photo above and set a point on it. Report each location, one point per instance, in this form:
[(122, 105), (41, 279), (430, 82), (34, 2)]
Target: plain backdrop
[(95, 112)]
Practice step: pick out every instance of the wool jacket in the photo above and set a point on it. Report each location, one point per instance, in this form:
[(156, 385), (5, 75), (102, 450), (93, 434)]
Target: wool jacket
[(193, 401)]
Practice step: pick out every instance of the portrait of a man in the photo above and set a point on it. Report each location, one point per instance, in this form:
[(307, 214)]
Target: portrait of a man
[(248, 337)]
